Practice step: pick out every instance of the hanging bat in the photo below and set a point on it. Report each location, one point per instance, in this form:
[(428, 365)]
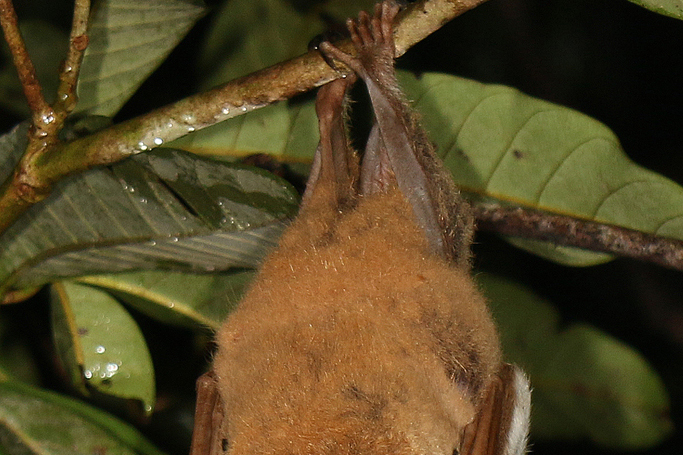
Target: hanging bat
[(364, 332)]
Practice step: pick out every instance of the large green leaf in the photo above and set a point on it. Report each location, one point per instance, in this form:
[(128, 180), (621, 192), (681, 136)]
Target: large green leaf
[(504, 144), (100, 345), (162, 209), (673, 8), (586, 384), (128, 39), (40, 422), (178, 298)]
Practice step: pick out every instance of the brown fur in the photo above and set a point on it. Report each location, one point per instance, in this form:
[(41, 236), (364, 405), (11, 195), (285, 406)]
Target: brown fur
[(355, 337), (364, 332)]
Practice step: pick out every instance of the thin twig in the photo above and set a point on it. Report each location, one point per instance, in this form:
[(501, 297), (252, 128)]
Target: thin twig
[(78, 42), (22, 62), (568, 231), (39, 172)]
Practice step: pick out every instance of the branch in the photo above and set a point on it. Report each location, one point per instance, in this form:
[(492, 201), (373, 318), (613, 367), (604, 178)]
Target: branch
[(22, 62), (278, 82), (78, 42), (568, 231)]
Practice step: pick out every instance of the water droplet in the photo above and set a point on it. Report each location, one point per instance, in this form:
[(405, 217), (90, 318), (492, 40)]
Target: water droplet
[(64, 96), (188, 118), (87, 374), (220, 203), (171, 305), (142, 146), (225, 110), (244, 108), (131, 189), (148, 408), (190, 128), (174, 239), (169, 124), (143, 200), (158, 141), (68, 68), (100, 349), (49, 118), (103, 375), (112, 368), (344, 76), (153, 242)]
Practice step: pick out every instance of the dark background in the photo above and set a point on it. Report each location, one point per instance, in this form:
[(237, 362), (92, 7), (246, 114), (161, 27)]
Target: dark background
[(610, 59)]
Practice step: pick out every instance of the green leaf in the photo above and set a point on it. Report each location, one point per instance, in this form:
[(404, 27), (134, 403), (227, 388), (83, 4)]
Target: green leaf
[(287, 131), (504, 144), (202, 300), (586, 384), (128, 39), (673, 8), (41, 422), (100, 345), (161, 209), (12, 147)]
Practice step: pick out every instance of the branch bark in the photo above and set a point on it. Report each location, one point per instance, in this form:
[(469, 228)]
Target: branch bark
[(199, 111), (22, 62), (568, 231)]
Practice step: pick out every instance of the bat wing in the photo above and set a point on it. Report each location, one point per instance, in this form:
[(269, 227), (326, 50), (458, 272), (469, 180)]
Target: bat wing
[(207, 436), (502, 424)]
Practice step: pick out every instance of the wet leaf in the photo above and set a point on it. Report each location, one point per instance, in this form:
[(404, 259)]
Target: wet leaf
[(178, 298), (100, 345), (504, 144), (128, 39), (673, 8), (163, 209), (587, 384), (40, 422)]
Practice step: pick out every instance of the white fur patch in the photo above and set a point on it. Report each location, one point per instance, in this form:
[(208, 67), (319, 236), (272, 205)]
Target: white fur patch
[(521, 415)]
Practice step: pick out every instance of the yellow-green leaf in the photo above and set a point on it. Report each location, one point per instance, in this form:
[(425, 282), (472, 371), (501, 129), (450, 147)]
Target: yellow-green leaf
[(504, 144), (178, 298), (100, 344), (673, 8)]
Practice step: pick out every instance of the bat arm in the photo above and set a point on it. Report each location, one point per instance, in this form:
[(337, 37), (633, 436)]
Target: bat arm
[(410, 176)]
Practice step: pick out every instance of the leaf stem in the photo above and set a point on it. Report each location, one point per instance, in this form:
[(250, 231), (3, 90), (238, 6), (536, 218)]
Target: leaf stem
[(569, 231)]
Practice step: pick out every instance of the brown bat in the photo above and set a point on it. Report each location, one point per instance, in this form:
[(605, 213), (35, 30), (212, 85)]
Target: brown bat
[(364, 332)]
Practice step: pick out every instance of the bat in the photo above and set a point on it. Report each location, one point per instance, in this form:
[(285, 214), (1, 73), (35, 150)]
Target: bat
[(364, 332)]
